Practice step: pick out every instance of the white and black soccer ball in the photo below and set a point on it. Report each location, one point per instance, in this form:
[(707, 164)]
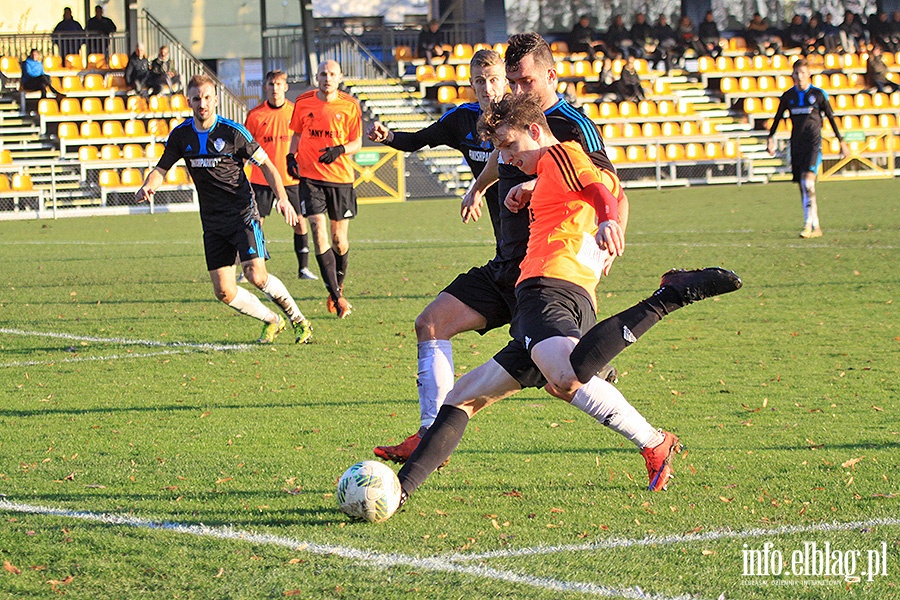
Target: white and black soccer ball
[(369, 490)]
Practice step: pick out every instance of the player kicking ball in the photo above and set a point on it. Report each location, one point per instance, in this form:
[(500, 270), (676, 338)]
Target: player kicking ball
[(574, 238)]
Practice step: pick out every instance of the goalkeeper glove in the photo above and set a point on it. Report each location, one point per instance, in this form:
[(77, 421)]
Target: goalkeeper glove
[(330, 154), (293, 169)]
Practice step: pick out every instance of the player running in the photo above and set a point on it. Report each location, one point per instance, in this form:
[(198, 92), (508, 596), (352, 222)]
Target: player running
[(214, 150)]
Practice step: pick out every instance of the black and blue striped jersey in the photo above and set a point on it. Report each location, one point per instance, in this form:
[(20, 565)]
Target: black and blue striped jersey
[(215, 160), (806, 108)]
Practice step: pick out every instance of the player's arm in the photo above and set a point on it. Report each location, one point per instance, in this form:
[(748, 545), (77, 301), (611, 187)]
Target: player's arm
[(611, 234), (473, 200), (154, 179), (779, 114), (282, 205)]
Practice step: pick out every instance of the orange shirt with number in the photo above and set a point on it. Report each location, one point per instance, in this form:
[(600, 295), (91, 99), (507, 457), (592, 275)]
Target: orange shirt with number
[(321, 125), (270, 127), (571, 198)]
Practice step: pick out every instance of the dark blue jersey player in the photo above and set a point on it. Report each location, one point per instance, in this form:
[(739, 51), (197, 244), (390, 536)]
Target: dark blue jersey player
[(214, 150), (806, 104)]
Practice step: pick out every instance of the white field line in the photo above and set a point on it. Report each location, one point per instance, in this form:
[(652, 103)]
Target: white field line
[(376, 559), (77, 359), (677, 539), (127, 342)]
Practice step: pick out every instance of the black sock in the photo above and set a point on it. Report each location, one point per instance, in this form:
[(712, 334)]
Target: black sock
[(301, 249), (329, 274), (611, 336), (436, 446), (340, 261)]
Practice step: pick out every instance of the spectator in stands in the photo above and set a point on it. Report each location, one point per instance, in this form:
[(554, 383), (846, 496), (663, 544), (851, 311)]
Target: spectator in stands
[(895, 27), (797, 35), (66, 34), (628, 86), (583, 37), (853, 35), (687, 38), (162, 73), (102, 27), (759, 35), (665, 44), (641, 34), (876, 72), (617, 40), (137, 72), (831, 35), (605, 86), (881, 32), (33, 77), (815, 33), (709, 35), (431, 43)]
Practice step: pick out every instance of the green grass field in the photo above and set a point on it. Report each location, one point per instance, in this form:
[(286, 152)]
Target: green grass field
[(147, 448)]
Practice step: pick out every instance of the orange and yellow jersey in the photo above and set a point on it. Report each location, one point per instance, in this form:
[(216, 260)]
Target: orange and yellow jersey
[(271, 128), (323, 124), (571, 198)]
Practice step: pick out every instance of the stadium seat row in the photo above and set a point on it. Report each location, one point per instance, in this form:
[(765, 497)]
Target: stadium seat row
[(50, 107), (651, 129), (21, 182), (132, 178), (839, 102), (114, 152), (132, 128), (564, 69), (780, 62), (645, 108), (710, 151), (749, 84)]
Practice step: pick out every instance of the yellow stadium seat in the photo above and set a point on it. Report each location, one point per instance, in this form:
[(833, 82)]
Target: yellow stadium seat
[(608, 110), (114, 104), (646, 108), (446, 94), (880, 100), (463, 52), (90, 129), (862, 101), (118, 61), (706, 128), (780, 62), (94, 82), (839, 81), (109, 178), (564, 69), (177, 176), (770, 104), (53, 62), (887, 121), (500, 48), (737, 44), (403, 53), (705, 64), (179, 103), (689, 128), (92, 106), (693, 151), (728, 85), (614, 153), (752, 105), (72, 83), (685, 108), (5, 157), (636, 154), (158, 127), (611, 131), (559, 47), (731, 149), (631, 130), (761, 62), (70, 106), (765, 83), (135, 128), (97, 61), (131, 177), (113, 129), (627, 109), (670, 129), (849, 122), (651, 151), (110, 152), (4, 183), (136, 104), (713, 151), (465, 93), (850, 60), (425, 73), (742, 63), (590, 109), (724, 64), (445, 73), (747, 84), (116, 83), (67, 131), (74, 61), (48, 107), (154, 150), (895, 99), (665, 108), (10, 67), (583, 68), (651, 130), (175, 122), (868, 122), (158, 104), (674, 152), (88, 153), (21, 182)]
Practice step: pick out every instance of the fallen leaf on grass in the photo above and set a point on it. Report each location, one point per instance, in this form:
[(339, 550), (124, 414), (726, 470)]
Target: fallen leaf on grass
[(513, 494), (221, 572), (293, 593), (55, 582), (11, 568), (849, 464), (206, 414), (223, 480)]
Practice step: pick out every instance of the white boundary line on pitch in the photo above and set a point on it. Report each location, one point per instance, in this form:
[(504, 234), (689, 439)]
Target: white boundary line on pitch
[(677, 539), (127, 342), (49, 362), (376, 559)]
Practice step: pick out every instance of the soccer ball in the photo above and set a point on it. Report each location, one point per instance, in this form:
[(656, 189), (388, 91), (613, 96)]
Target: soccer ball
[(369, 490)]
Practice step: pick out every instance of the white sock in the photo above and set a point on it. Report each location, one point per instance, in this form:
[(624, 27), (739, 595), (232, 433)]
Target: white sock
[(278, 293), (246, 303), (435, 377), (601, 400)]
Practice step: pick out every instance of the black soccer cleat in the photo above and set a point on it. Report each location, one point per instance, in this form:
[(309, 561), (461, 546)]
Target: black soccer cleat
[(697, 284), (609, 374), (403, 498)]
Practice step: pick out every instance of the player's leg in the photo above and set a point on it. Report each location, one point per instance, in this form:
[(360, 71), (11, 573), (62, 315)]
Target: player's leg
[(342, 207), (811, 226), (301, 235), (314, 208), (476, 390)]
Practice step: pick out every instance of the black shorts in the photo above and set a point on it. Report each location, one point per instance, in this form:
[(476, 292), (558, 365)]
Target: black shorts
[(338, 201), (805, 158), (487, 293), (543, 311), (265, 198), (247, 242)]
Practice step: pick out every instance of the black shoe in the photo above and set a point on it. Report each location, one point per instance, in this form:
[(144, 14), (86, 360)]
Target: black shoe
[(403, 498), (698, 284)]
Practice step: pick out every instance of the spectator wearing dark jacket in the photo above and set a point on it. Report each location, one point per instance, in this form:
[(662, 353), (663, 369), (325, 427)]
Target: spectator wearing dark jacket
[(881, 32), (853, 35), (797, 34), (876, 72), (617, 39), (628, 86), (102, 28), (709, 35), (137, 72), (66, 34), (641, 33), (665, 43)]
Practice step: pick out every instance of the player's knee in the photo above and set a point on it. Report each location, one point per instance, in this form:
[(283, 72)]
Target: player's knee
[(426, 325), (564, 385), (225, 296)]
